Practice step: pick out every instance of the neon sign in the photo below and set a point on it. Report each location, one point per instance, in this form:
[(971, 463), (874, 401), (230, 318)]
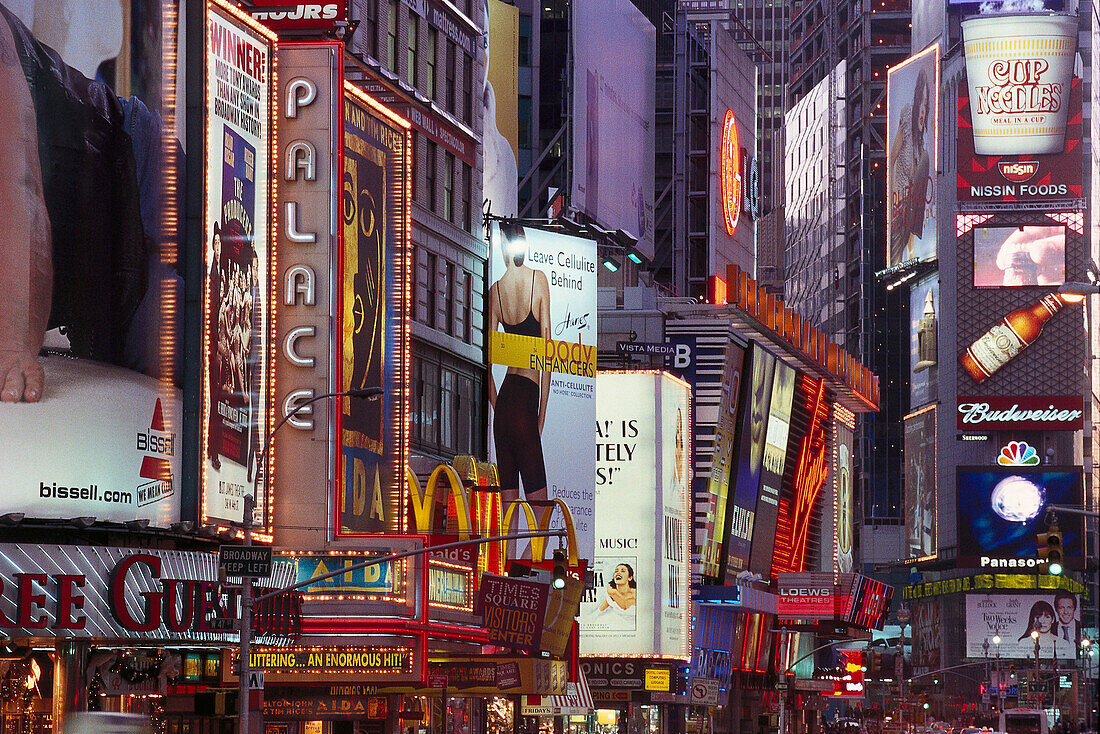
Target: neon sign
[(809, 477), (729, 162)]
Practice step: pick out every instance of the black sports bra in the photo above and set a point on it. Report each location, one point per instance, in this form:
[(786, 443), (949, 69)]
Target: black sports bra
[(530, 325)]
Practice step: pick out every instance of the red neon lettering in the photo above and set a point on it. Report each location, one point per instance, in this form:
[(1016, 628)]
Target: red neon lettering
[(68, 601)]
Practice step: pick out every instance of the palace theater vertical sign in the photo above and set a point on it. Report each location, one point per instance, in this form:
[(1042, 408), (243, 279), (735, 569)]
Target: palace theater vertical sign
[(374, 334), (239, 258)]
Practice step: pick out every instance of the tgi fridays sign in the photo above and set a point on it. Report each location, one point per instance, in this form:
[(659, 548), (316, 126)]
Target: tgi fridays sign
[(1064, 413), (112, 593)]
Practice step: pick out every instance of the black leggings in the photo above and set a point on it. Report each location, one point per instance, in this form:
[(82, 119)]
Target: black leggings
[(516, 434)]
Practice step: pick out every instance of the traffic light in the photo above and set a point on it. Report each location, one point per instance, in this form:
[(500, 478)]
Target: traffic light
[(1050, 549), (1012, 671), (924, 701), (874, 664), (559, 569)]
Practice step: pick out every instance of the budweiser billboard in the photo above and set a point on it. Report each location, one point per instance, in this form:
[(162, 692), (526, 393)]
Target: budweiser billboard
[(1060, 413), (1022, 177), (1019, 68)]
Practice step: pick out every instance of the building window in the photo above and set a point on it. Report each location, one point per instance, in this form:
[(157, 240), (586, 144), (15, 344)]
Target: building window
[(446, 405), (430, 53), (524, 40), (449, 187), (450, 288), (467, 198), (452, 54), (429, 175), (467, 309), (429, 288), (370, 15), (467, 89), (391, 36), (524, 132), (414, 48)]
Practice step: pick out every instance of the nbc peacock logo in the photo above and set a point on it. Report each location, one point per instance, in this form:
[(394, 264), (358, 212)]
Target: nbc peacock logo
[(1018, 453)]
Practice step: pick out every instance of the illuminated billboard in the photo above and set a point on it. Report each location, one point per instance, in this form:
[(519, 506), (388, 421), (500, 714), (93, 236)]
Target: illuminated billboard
[(542, 384), (924, 307), (912, 136), (638, 605), (774, 464), (91, 290), (238, 253), (844, 490), (1020, 177), (1019, 256), (614, 68), (1001, 509), (1018, 70), (500, 171), (1007, 335), (723, 474), (373, 342), (1054, 615), (280, 15), (920, 483)]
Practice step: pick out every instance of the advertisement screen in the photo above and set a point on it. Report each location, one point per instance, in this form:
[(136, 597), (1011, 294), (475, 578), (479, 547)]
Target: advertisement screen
[(750, 452), (91, 290), (920, 483), (1009, 335), (1019, 256), (638, 603), (372, 347), (1000, 510), (1024, 178), (238, 250), (1056, 616), (722, 472), (912, 107), (542, 385), (775, 461), (614, 48), (924, 307)]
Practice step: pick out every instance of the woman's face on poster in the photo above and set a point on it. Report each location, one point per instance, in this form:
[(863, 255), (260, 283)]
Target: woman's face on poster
[(622, 574), (1043, 621)]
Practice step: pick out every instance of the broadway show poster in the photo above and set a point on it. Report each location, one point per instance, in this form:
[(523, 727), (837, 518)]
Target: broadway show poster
[(373, 330), (920, 483), (637, 604), (750, 455), (237, 298), (542, 386), (722, 473), (912, 109), (775, 462)]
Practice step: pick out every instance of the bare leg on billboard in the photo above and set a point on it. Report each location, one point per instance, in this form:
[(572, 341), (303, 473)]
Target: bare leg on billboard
[(26, 279)]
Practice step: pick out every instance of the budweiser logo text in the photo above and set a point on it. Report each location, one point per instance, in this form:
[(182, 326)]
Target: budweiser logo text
[(974, 413)]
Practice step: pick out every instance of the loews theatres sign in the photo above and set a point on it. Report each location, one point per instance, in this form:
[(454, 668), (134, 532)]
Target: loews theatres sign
[(113, 593)]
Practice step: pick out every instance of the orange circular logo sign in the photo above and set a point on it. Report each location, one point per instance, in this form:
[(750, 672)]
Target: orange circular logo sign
[(729, 162)]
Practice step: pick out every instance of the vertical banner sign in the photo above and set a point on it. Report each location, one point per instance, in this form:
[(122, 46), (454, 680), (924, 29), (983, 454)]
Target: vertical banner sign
[(757, 398), (912, 132), (844, 439), (920, 483), (542, 385), (239, 257), (775, 462), (373, 340), (722, 472), (638, 604)]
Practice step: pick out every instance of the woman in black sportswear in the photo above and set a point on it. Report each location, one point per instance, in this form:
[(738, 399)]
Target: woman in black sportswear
[(519, 302)]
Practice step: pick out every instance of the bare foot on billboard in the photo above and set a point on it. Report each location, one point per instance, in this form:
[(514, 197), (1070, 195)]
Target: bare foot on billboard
[(21, 377)]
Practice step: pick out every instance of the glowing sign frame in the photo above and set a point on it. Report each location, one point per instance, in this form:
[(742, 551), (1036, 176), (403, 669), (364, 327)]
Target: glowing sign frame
[(729, 170)]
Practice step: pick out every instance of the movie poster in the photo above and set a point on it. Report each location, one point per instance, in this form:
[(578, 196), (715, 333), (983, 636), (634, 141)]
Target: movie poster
[(237, 317), (1054, 615), (542, 385), (775, 462), (750, 453), (920, 483), (373, 330), (912, 108), (723, 471)]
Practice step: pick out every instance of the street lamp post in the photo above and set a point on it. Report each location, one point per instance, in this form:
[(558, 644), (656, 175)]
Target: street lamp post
[(985, 653), (1038, 693), (1086, 653), (371, 393), (1000, 679)]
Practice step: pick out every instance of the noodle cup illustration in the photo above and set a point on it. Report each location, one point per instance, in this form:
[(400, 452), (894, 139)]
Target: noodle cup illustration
[(1019, 68)]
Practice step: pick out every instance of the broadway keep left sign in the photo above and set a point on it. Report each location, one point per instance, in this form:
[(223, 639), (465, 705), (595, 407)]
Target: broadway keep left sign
[(513, 610), (240, 560)]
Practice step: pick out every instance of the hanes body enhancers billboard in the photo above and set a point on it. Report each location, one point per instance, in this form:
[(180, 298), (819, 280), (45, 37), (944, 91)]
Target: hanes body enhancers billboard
[(93, 425), (638, 605), (912, 133), (237, 301), (373, 343)]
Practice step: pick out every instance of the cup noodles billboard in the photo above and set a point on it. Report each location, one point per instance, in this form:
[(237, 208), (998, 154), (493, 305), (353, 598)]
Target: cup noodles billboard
[(1020, 177), (1019, 68)]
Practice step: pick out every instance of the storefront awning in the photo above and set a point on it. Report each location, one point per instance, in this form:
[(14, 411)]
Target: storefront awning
[(577, 701)]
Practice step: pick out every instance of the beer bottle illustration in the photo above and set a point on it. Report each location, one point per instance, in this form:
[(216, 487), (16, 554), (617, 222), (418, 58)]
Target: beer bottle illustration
[(1015, 332)]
